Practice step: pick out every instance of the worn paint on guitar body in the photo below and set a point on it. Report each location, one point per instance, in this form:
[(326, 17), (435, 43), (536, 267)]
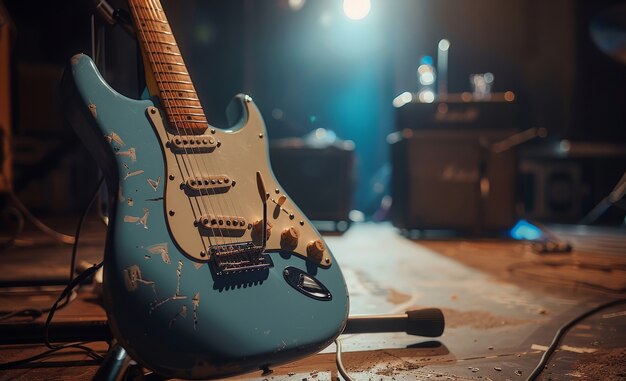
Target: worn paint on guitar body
[(172, 313)]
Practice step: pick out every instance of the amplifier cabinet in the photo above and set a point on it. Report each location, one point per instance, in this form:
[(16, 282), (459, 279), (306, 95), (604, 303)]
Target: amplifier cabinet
[(436, 181), (319, 180)]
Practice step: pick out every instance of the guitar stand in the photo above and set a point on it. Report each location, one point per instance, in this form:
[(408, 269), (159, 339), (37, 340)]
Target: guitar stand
[(428, 322)]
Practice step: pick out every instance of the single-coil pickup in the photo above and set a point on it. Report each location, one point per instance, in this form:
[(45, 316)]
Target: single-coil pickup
[(192, 143), (207, 185), (222, 226)]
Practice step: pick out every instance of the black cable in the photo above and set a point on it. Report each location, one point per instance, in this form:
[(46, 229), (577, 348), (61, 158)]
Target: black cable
[(563, 330), (62, 300), (79, 228), (69, 289), (64, 238), (17, 363), (35, 313)]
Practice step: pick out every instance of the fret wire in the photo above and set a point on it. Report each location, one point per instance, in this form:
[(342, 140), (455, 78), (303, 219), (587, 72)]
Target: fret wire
[(164, 43), (158, 31), (166, 53), (168, 63), (182, 119), (180, 91), (159, 57), (186, 114), (187, 106), (171, 81), (160, 38), (179, 98), (148, 8), (149, 19), (173, 72), (169, 75)]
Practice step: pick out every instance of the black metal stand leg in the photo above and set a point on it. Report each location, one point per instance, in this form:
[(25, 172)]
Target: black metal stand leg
[(114, 366)]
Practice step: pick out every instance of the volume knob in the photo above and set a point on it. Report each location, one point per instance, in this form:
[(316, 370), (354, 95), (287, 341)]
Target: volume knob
[(257, 231), (315, 250), (289, 237)]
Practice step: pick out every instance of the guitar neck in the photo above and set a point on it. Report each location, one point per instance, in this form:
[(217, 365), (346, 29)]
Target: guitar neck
[(165, 68)]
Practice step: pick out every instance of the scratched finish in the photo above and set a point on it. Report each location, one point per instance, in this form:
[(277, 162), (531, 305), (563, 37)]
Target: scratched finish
[(171, 313)]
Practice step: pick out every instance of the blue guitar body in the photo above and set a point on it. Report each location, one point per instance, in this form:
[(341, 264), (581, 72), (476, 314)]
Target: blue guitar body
[(200, 313)]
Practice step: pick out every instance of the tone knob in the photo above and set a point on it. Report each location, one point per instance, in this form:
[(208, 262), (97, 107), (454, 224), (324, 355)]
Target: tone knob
[(315, 250), (257, 232), (289, 237)]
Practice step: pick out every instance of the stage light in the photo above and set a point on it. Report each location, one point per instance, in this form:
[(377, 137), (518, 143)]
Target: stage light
[(426, 96), (524, 230), (426, 74), (402, 99), (444, 45), (356, 9), (296, 5)]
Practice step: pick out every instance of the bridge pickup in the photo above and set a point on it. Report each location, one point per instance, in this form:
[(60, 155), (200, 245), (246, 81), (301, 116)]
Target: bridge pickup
[(190, 144), (207, 185), (238, 257), (222, 226)]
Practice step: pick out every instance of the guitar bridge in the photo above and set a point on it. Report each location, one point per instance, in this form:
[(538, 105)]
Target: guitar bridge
[(238, 257)]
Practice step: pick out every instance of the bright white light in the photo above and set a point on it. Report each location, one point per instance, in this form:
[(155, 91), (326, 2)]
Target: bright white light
[(402, 99), (356, 9), (296, 5), (427, 78), (421, 69), (444, 45), (426, 96)]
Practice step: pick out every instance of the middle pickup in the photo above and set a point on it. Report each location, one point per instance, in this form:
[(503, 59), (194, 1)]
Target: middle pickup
[(195, 186)]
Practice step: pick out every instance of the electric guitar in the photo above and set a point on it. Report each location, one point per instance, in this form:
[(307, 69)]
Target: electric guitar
[(210, 269)]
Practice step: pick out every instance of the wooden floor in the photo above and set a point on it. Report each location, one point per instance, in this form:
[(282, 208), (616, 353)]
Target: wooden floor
[(502, 303)]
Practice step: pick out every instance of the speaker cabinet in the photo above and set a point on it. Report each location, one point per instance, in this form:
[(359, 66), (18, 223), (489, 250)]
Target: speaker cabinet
[(452, 180), (319, 180)]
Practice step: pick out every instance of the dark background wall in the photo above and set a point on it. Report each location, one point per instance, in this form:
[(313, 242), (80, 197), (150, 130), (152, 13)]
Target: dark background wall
[(314, 68)]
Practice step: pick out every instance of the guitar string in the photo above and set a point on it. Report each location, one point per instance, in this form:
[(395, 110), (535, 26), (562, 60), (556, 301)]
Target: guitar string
[(215, 163), (157, 11), (168, 86), (187, 165)]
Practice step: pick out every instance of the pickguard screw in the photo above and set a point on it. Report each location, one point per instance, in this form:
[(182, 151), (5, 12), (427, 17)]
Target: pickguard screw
[(172, 177), (291, 216), (219, 143), (172, 212), (203, 253), (277, 191), (327, 260), (153, 111), (261, 135), (301, 223)]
